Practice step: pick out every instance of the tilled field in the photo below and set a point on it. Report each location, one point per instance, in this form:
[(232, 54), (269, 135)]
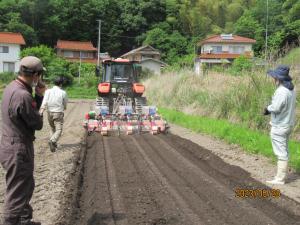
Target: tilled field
[(165, 179), (143, 179)]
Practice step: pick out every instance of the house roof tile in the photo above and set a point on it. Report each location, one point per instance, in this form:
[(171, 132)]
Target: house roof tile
[(11, 38), (76, 45), (154, 51), (234, 39)]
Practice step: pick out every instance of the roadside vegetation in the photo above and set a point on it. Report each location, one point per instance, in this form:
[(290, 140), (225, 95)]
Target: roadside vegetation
[(239, 99)]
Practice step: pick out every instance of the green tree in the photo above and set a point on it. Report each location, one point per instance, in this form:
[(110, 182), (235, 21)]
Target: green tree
[(43, 52), (248, 26), (172, 45), (55, 66), (241, 64)]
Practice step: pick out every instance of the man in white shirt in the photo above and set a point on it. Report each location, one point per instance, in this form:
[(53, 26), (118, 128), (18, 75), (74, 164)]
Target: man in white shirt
[(55, 100), (282, 110)]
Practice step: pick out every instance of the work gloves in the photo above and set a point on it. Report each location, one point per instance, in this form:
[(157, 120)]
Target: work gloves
[(266, 112)]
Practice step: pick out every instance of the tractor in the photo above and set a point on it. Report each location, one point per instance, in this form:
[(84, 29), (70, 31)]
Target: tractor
[(120, 87), (120, 105)]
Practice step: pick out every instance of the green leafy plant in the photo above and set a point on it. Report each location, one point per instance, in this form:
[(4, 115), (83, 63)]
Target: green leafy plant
[(6, 77), (240, 65), (55, 66)]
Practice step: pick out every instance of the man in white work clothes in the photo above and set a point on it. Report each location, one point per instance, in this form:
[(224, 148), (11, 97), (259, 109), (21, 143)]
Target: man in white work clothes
[(55, 101), (282, 110)]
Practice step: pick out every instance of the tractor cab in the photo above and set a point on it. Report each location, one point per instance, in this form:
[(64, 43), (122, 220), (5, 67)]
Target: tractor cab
[(120, 76), (120, 71)]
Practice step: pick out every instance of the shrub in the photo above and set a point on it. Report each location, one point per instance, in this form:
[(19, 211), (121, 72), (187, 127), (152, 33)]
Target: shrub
[(59, 67), (55, 65), (6, 77), (43, 52), (241, 64)]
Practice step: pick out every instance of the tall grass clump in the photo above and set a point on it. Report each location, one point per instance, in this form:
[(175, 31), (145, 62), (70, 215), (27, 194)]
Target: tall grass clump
[(292, 58), (239, 99), (246, 100)]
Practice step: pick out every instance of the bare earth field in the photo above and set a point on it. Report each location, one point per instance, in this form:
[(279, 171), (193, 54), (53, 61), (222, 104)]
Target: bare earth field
[(52, 171), (155, 180)]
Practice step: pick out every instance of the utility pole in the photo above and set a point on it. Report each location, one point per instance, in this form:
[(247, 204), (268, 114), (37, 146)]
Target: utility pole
[(266, 41), (79, 66), (99, 42)]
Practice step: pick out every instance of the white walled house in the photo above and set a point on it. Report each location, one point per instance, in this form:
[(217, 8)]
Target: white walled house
[(148, 57), (224, 48), (10, 47), (153, 65)]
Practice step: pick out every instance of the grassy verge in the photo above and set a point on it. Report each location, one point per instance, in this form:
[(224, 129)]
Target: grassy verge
[(77, 92), (250, 140), (86, 89), (1, 89)]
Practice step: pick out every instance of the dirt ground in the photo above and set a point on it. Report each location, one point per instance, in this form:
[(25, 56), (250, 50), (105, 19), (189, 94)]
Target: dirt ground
[(52, 171), (260, 167), (145, 179)]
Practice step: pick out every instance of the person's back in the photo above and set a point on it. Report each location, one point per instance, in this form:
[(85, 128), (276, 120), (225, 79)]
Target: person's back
[(14, 111), (56, 99)]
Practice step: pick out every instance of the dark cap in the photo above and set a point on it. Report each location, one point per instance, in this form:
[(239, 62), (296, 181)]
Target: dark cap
[(31, 65), (59, 81), (280, 73)]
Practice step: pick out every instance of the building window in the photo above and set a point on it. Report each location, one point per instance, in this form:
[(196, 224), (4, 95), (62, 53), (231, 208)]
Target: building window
[(76, 54), (237, 49), (68, 54), (216, 49), (3, 49), (86, 55), (8, 67)]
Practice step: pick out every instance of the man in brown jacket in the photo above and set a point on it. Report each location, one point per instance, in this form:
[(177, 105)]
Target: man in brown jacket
[(20, 119)]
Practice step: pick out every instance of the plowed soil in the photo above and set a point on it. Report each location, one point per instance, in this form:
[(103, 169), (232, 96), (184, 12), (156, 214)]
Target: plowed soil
[(165, 179)]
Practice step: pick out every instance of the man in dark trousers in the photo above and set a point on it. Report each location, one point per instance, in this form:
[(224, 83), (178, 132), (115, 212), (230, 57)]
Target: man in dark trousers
[(20, 119)]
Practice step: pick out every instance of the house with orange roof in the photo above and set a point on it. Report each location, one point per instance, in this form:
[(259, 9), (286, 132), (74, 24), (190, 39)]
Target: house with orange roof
[(10, 47), (224, 48), (76, 51)]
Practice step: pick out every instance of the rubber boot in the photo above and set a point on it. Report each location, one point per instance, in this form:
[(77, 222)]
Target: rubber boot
[(282, 167)]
